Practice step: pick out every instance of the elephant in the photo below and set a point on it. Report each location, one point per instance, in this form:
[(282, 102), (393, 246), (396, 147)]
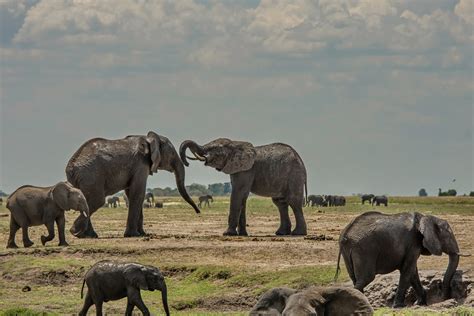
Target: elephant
[(1, 201), (317, 200), (33, 206), (149, 197), (159, 204), (313, 301), (205, 199), (125, 198), (103, 167), (113, 201), (335, 200), (399, 239), (275, 170), (380, 199), (110, 281), (367, 197)]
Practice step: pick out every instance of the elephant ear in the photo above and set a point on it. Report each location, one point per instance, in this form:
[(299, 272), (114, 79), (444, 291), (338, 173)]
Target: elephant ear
[(241, 157), (428, 227), (153, 140), (60, 195), (136, 277)]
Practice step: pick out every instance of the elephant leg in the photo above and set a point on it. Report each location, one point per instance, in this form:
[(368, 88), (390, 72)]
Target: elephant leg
[(61, 222), (364, 270), (50, 226), (236, 201), (26, 239), (87, 304), (82, 227), (406, 274), (285, 222), (419, 290), (199, 204), (136, 197), (98, 307), (135, 298), (14, 227), (130, 307), (300, 228), (243, 219)]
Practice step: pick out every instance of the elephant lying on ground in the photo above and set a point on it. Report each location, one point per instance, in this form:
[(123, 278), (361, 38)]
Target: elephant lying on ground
[(110, 281), (274, 170), (312, 301), (317, 200), (380, 199), (33, 206), (102, 167), (205, 199), (399, 239), (367, 197)]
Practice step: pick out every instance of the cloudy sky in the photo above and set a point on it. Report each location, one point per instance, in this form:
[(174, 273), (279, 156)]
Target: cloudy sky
[(376, 95)]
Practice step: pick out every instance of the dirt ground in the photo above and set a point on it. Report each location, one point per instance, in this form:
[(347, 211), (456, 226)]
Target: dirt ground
[(181, 242)]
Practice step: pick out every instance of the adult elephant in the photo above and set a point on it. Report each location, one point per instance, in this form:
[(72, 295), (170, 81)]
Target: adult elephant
[(399, 239), (317, 200), (102, 167), (367, 197), (113, 201), (380, 199), (274, 170), (339, 200), (149, 197)]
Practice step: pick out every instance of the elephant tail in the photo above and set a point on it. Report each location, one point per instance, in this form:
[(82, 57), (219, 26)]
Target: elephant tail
[(306, 192), (338, 268), (82, 289)]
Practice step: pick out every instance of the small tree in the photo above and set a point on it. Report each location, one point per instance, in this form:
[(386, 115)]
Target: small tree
[(452, 192), (422, 192), (471, 193)]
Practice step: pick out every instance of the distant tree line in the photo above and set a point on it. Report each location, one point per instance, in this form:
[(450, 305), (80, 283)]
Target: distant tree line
[(2, 194), (196, 189)]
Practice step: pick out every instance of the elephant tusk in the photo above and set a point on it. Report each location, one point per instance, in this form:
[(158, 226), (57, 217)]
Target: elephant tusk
[(464, 254), (85, 214), (198, 157), (191, 158)]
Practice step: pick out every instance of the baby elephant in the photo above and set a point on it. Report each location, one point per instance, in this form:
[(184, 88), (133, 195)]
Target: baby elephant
[(110, 281), (312, 301), (33, 206)]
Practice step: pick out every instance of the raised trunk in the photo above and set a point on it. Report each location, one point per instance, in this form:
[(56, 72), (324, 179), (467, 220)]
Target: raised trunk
[(164, 299), (195, 149), (179, 176), (448, 276)]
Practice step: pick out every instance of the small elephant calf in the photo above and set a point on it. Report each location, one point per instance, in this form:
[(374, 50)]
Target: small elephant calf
[(33, 206), (110, 281)]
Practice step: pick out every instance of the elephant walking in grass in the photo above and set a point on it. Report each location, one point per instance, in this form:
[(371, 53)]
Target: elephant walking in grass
[(33, 206), (205, 199), (102, 167), (367, 197), (399, 239), (113, 201), (317, 200), (380, 199), (274, 170)]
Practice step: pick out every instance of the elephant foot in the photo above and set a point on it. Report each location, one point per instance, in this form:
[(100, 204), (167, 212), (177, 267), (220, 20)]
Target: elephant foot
[(43, 240), (398, 305), (282, 231), (88, 233), (230, 232), (299, 232), (12, 245), (63, 244), (142, 233), (243, 233), (130, 233), (28, 243)]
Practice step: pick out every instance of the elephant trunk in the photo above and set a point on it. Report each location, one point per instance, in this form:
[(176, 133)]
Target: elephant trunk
[(448, 275), (164, 299), (197, 150), (179, 176)]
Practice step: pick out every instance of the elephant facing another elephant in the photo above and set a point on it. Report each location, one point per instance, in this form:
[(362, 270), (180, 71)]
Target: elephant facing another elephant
[(334, 301)]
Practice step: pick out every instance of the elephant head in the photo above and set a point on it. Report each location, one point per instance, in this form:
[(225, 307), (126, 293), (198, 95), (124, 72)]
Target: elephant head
[(438, 237), (164, 157), (272, 302), (148, 278), (68, 197), (222, 154)]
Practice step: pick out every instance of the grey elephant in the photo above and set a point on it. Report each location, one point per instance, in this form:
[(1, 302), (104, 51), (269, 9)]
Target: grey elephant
[(317, 200), (275, 170), (110, 281), (367, 197), (335, 200), (380, 199), (149, 197), (312, 301), (113, 201), (33, 206), (102, 167), (399, 239), (205, 199), (1, 201)]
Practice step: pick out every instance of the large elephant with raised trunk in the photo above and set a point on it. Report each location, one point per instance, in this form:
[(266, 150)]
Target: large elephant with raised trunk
[(398, 239), (102, 167), (275, 170)]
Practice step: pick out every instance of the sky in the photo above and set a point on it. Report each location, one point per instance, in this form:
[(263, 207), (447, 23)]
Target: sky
[(375, 95)]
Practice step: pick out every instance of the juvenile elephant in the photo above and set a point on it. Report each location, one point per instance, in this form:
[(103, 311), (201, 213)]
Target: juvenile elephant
[(205, 199), (380, 199), (33, 206), (113, 201), (110, 281), (102, 167), (274, 170), (399, 239), (367, 197), (317, 200), (312, 301)]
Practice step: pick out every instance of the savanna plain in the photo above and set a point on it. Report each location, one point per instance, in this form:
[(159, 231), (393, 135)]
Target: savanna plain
[(207, 273)]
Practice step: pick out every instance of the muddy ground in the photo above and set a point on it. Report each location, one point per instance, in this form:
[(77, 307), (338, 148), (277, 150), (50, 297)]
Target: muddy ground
[(207, 273)]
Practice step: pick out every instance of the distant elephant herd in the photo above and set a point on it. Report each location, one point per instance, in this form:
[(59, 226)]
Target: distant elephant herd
[(372, 243)]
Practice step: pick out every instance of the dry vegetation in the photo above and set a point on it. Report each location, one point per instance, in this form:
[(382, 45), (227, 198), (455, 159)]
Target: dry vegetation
[(207, 273)]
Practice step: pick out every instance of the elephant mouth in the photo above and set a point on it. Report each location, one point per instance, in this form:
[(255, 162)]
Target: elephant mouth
[(198, 157)]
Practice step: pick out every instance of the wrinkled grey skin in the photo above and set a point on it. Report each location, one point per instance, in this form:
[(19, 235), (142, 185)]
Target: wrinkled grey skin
[(274, 170), (111, 281), (149, 197), (33, 206), (399, 239), (367, 197), (205, 199), (102, 167), (317, 200), (312, 301), (113, 201), (380, 199)]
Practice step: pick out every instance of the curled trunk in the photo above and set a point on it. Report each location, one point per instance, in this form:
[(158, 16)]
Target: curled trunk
[(195, 149), (448, 276), (179, 176)]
